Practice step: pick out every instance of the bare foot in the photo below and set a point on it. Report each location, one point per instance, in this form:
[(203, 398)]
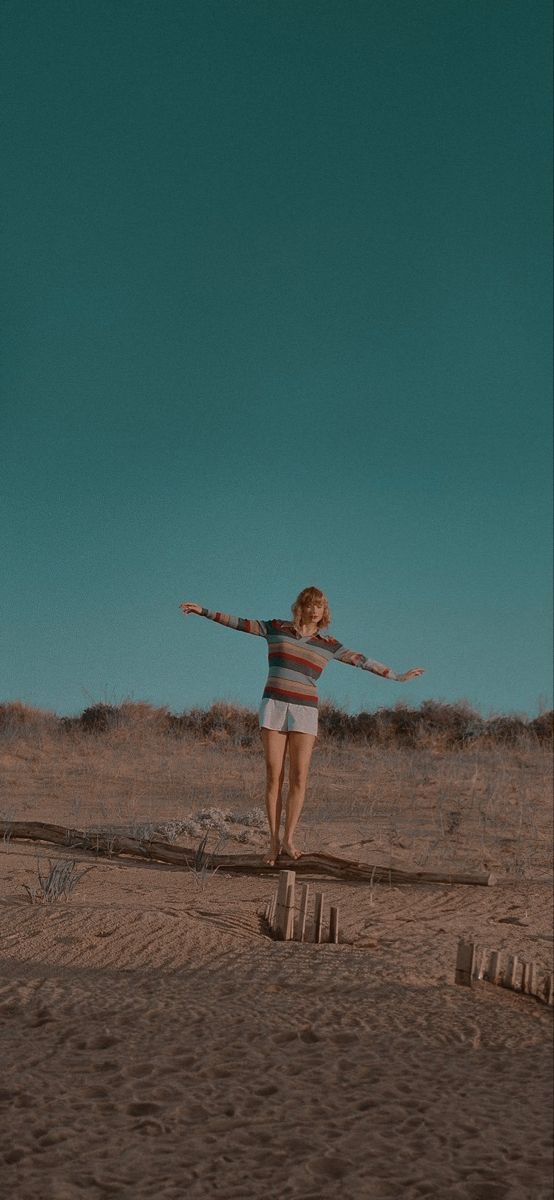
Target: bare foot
[(291, 851), (273, 853)]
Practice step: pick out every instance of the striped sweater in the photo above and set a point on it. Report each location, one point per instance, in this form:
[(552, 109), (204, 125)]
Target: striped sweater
[(295, 662)]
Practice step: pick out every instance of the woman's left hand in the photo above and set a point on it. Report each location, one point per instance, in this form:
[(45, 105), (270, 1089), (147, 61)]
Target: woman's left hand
[(411, 674)]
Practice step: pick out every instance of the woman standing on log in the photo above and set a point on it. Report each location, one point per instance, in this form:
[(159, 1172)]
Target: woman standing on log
[(298, 653)]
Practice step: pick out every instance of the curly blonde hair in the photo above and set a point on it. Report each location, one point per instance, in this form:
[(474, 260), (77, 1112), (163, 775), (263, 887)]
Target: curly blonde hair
[(307, 596)]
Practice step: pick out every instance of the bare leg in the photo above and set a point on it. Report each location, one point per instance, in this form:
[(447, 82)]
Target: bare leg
[(300, 753), (275, 746)]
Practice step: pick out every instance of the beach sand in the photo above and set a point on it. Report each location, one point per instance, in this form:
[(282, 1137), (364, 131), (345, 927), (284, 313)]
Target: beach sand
[(155, 1042)]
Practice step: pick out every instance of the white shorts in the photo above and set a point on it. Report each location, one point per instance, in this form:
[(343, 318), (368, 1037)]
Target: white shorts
[(287, 718)]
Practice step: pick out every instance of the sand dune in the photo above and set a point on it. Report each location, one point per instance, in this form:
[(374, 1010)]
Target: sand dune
[(275, 1070), (156, 1043)]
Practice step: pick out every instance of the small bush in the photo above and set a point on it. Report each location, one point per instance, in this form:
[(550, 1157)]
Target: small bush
[(58, 884), (543, 726), (335, 723), (225, 721), (507, 731), (99, 718), (434, 724), (21, 720), (171, 830), (255, 818), (202, 867), (137, 714)]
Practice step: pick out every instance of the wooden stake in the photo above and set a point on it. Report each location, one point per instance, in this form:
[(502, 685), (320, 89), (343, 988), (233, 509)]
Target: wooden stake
[(509, 979), (334, 926), (272, 908), (494, 971), (464, 963), (480, 965), (286, 879), (549, 990), (305, 891), (529, 979), (289, 927), (318, 916)]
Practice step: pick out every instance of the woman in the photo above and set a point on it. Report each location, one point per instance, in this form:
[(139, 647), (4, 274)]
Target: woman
[(298, 652)]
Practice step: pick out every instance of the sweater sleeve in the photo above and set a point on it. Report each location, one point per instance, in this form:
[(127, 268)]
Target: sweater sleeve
[(258, 628), (353, 659)]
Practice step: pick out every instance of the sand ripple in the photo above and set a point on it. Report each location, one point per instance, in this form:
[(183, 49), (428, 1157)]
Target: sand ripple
[(267, 1070)]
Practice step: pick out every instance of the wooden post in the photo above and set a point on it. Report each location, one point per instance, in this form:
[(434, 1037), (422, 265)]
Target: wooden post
[(303, 911), (318, 916), (509, 980), (286, 880), (289, 926), (529, 980), (271, 913), (549, 990), (494, 971), (334, 926), (480, 964), (464, 963)]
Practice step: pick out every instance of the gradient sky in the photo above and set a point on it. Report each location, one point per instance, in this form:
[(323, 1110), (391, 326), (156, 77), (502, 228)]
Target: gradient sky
[(276, 312)]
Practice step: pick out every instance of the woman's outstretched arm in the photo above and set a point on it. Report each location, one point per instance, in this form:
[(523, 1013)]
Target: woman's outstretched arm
[(258, 628), (354, 659)]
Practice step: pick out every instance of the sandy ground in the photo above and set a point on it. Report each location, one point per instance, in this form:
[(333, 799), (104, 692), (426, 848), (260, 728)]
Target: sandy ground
[(156, 1043)]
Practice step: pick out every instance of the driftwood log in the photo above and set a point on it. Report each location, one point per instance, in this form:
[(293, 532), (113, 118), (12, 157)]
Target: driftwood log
[(113, 846)]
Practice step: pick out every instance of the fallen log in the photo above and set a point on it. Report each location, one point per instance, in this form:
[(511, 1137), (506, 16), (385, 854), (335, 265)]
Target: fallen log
[(115, 845)]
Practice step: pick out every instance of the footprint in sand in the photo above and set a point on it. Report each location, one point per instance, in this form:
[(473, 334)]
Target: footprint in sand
[(143, 1108)]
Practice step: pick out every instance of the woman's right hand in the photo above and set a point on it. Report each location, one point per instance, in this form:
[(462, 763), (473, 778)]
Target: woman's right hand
[(188, 607)]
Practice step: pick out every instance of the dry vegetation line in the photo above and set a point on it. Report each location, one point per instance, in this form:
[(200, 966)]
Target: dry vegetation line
[(181, 856)]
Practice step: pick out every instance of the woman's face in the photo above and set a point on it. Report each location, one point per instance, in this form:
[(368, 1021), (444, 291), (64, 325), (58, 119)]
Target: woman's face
[(312, 611)]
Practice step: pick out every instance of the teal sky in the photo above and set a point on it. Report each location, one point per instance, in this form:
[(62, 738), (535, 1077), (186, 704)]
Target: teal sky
[(276, 312)]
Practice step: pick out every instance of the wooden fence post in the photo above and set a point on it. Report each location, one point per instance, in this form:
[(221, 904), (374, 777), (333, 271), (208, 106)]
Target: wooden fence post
[(494, 972), (289, 926), (480, 965), (285, 901), (509, 979), (334, 926), (318, 916), (272, 905), (464, 962), (529, 979), (305, 891)]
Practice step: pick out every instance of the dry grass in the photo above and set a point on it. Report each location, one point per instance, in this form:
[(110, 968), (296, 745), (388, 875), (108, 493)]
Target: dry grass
[(480, 801), (433, 724)]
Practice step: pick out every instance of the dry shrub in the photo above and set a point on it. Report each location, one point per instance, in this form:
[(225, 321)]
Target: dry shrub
[(508, 731), (543, 727), (99, 718), (434, 725), (21, 720), (449, 724), (149, 718), (221, 722), (335, 723), (397, 726), (130, 715)]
